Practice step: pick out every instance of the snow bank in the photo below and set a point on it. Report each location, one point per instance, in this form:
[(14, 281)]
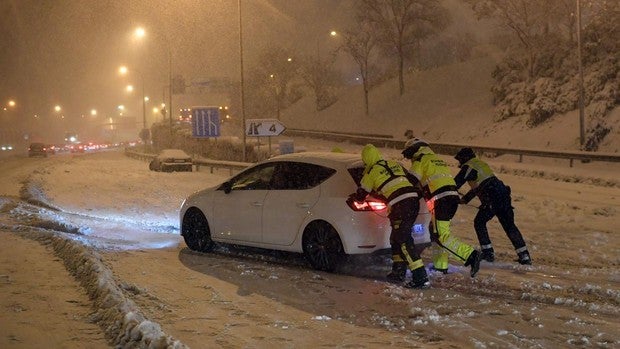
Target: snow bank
[(119, 317)]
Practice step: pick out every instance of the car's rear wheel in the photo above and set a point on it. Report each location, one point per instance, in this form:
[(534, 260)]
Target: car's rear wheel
[(196, 232), (322, 246)]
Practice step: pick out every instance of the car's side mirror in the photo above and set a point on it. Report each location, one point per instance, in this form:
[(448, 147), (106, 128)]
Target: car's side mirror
[(227, 186)]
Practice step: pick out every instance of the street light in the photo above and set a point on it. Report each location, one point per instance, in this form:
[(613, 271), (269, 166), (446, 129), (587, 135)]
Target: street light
[(241, 68), (581, 89), (123, 70), (139, 34), (333, 34)]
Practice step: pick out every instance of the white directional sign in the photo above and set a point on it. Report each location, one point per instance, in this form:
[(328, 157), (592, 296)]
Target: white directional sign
[(263, 127)]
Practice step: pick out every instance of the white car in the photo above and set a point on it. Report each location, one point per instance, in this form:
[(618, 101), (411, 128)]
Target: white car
[(297, 203), (169, 160)]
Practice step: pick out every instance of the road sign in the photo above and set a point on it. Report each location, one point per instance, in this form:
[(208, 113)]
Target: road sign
[(206, 122), (263, 127)]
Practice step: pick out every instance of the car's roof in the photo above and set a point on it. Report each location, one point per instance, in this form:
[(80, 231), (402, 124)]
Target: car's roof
[(322, 158), (178, 153)]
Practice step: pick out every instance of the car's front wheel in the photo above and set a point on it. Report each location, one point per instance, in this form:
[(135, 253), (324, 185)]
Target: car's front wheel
[(196, 232), (322, 246)]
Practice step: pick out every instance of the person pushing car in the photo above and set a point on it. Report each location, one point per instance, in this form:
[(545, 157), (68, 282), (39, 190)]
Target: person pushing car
[(388, 179), (495, 200), (439, 189)]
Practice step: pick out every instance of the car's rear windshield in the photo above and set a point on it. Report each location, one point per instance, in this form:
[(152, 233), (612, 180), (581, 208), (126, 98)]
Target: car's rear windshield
[(357, 173)]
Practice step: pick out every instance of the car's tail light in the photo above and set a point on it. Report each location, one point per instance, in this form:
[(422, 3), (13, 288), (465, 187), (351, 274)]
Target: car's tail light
[(367, 205)]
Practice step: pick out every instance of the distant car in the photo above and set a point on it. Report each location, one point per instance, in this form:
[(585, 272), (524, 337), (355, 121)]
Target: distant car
[(169, 160), (37, 149), (298, 203), (6, 147), (77, 148)]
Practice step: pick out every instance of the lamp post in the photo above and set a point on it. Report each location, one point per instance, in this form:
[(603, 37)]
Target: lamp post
[(144, 134), (139, 34), (581, 91), (241, 67)]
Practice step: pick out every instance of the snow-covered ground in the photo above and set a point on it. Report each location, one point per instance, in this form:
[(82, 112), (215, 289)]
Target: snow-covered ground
[(147, 286)]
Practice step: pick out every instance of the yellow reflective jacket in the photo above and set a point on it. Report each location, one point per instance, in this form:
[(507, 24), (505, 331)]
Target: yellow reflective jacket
[(482, 168), (431, 170), (382, 176)]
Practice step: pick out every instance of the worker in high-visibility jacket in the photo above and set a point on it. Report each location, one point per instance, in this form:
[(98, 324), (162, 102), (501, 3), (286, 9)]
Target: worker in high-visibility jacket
[(388, 179), (440, 190), (495, 200)]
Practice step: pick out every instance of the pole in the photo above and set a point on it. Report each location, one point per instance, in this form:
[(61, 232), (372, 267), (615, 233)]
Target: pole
[(241, 67), (170, 90), (581, 91), (143, 106)]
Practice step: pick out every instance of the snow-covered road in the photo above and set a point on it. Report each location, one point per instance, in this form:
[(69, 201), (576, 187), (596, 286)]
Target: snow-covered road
[(244, 298)]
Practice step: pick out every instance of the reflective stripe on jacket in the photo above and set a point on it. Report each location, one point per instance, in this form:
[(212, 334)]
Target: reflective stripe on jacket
[(482, 168)]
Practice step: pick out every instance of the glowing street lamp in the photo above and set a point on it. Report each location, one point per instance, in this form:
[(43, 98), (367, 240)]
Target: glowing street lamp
[(93, 112), (123, 70), (139, 33), (57, 108), (11, 103)]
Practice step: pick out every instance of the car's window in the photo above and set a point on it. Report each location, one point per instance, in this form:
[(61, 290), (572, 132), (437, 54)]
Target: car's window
[(257, 178), (357, 173), (299, 176)]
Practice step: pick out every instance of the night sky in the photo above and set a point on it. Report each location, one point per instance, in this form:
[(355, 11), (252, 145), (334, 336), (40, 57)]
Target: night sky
[(67, 52)]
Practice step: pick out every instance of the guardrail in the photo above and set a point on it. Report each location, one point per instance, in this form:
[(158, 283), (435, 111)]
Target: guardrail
[(212, 164), (453, 148)]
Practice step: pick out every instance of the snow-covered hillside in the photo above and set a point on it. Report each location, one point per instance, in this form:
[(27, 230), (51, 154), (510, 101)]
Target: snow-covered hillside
[(446, 104)]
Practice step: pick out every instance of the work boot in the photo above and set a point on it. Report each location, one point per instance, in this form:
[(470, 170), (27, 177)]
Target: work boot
[(487, 254), (398, 273), (524, 258), (474, 262), (419, 279)]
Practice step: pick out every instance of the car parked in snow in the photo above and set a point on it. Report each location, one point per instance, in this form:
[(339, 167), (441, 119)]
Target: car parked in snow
[(169, 160), (298, 203)]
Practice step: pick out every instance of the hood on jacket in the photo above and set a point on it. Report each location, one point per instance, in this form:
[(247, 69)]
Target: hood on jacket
[(370, 155)]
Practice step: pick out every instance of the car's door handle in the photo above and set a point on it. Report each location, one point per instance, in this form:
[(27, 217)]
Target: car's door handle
[(303, 205), (257, 203)]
